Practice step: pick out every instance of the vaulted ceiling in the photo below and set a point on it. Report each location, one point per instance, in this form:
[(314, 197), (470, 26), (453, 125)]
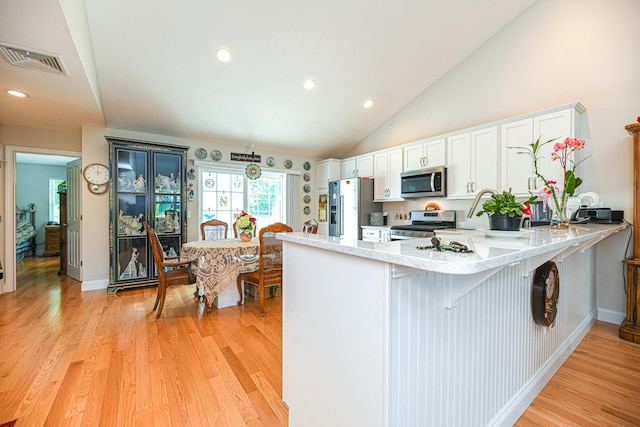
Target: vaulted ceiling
[(150, 66)]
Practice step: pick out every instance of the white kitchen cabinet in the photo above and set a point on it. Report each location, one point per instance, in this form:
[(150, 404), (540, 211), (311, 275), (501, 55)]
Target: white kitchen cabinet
[(425, 154), (328, 170), (517, 169), (376, 234), (472, 162), (387, 167), (359, 166)]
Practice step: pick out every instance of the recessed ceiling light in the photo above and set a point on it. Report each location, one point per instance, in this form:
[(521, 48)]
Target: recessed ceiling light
[(223, 55), (17, 93), (368, 103), (309, 84)]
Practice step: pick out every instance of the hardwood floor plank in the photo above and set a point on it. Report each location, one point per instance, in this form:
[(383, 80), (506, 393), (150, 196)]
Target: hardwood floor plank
[(61, 402), (73, 358)]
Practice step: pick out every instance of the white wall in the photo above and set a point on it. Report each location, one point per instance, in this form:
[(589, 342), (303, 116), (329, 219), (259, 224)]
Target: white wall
[(555, 53)]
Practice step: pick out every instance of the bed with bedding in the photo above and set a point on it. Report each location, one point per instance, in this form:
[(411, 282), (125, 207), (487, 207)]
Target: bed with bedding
[(25, 231)]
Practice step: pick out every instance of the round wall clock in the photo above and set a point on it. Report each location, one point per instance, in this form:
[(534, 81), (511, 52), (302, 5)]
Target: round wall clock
[(97, 177), (545, 290)]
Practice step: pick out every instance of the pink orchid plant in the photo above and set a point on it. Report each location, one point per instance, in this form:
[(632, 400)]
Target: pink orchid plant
[(562, 153)]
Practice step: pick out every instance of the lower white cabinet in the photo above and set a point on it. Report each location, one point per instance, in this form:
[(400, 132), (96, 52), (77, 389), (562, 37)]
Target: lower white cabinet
[(376, 234)]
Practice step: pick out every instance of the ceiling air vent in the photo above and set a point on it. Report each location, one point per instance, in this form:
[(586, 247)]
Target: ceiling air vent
[(27, 58)]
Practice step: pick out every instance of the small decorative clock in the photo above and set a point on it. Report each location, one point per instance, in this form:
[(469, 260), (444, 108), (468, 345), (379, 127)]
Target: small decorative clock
[(97, 177)]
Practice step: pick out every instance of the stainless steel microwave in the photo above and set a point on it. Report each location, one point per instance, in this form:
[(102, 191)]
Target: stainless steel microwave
[(424, 183)]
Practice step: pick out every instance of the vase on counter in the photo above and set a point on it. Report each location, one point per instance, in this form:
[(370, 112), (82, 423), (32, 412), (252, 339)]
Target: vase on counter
[(561, 215), (246, 235)]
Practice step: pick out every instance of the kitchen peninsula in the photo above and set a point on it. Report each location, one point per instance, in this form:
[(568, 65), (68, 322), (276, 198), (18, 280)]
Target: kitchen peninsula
[(392, 334)]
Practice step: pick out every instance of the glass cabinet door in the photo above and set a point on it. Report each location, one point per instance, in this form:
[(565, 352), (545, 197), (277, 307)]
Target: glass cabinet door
[(167, 176), (132, 258), (132, 170)]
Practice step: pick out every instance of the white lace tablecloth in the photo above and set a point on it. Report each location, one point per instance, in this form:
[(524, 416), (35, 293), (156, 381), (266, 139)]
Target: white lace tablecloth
[(219, 263)]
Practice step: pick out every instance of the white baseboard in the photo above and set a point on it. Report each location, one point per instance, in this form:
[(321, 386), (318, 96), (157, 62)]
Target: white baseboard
[(94, 285), (610, 316)]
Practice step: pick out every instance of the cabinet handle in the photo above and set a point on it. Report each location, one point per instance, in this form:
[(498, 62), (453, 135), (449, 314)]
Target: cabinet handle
[(529, 183), (468, 191)]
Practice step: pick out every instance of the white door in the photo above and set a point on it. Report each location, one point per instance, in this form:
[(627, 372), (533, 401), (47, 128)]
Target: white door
[(74, 262)]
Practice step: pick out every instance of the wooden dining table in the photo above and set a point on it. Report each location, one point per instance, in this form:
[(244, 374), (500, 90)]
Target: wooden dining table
[(219, 264)]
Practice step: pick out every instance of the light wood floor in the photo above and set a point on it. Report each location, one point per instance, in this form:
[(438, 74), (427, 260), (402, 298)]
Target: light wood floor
[(72, 358)]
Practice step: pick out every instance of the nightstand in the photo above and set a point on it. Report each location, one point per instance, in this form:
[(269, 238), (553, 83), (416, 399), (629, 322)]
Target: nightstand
[(51, 240)]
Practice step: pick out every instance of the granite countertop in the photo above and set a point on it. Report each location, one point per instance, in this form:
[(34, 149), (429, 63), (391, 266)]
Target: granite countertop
[(489, 251)]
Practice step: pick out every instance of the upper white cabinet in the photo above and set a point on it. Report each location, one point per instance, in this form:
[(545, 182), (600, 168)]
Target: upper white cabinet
[(387, 167), (472, 162), (328, 170), (360, 166), (424, 154), (517, 169)]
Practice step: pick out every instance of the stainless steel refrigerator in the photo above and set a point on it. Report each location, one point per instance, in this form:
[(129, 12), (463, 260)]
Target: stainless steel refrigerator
[(350, 203)]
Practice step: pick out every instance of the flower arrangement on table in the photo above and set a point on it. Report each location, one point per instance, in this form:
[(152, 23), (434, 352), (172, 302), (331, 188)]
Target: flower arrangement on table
[(247, 224), (561, 200)]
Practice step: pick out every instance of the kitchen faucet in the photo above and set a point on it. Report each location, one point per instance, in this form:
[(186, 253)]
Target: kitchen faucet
[(477, 200)]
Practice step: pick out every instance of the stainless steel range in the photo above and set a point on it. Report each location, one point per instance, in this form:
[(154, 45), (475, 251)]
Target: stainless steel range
[(423, 224)]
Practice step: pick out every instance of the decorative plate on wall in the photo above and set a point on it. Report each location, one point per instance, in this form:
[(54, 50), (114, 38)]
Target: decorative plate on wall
[(307, 210), (307, 198), (307, 176), (306, 166), (253, 171), (201, 153), (306, 188), (216, 155), (288, 163), (271, 161)]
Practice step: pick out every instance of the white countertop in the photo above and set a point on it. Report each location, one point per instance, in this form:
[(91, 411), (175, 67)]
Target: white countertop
[(489, 252)]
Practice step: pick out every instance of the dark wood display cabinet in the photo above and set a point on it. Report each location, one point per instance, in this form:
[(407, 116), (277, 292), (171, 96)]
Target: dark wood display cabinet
[(630, 328), (147, 183)]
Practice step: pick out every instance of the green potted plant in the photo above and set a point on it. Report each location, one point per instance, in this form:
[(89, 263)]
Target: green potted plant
[(505, 212)]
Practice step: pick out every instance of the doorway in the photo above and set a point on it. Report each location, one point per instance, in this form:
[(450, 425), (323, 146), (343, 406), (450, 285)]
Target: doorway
[(31, 177)]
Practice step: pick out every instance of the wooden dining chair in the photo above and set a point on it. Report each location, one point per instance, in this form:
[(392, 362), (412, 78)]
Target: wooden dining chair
[(214, 229), (269, 272), (235, 229), (310, 227), (171, 271)]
